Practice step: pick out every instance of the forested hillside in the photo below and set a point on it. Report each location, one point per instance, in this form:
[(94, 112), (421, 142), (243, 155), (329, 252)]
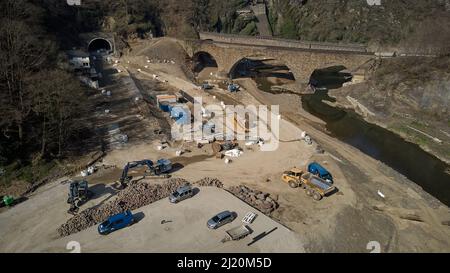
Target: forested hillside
[(39, 101), (408, 24)]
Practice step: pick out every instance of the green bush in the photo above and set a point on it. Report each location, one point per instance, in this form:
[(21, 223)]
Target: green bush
[(250, 29), (288, 30)]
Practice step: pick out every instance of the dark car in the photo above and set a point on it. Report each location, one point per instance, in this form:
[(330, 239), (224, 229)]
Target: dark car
[(221, 219), (316, 169), (116, 222)]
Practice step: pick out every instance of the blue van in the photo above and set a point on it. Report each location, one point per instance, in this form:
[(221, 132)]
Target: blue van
[(316, 169), (116, 222)]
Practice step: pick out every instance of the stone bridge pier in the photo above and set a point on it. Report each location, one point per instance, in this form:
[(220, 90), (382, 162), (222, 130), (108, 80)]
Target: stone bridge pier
[(301, 62)]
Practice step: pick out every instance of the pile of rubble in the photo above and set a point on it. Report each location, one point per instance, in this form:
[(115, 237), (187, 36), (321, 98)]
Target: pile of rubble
[(136, 195), (209, 182), (257, 199)]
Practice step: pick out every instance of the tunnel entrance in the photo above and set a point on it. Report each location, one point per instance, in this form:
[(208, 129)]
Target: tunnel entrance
[(204, 65), (100, 45)]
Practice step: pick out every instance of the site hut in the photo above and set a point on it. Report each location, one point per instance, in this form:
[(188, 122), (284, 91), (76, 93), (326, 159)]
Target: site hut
[(181, 114), (164, 101), (79, 61)]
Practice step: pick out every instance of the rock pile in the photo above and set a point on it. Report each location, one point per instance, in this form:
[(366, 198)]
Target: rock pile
[(257, 199), (209, 182), (136, 195)]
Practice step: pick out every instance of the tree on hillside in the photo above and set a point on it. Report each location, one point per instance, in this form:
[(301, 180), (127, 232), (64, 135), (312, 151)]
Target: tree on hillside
[(23, 50)]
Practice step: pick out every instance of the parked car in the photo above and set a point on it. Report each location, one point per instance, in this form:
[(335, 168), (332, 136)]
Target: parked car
[(181, 194), (116, 222), (221, 219), (316, 169)]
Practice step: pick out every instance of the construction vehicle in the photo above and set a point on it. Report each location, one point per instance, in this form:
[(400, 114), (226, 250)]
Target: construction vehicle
[(207, 86), (317, 169), (159, 169), (232, 87), (79, 194), (314, 186), (7, 201), (293, 177)]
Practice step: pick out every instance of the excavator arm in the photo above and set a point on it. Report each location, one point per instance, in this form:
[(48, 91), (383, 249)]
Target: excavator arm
[(134, 164)]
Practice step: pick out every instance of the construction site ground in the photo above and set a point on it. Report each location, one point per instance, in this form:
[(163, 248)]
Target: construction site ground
[(406, 219), (184, 231)]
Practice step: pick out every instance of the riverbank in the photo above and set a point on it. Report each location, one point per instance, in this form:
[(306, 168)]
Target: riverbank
[(411, 130)]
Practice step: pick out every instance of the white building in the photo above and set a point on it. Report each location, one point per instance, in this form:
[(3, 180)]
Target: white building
[(79, 60)]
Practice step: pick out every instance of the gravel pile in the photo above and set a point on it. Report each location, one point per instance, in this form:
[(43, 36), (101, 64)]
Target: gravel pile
[(136, 195), (209, 182), (257, 199)]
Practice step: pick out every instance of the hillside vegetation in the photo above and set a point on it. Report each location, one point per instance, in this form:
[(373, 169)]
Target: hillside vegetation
[(407, 24)]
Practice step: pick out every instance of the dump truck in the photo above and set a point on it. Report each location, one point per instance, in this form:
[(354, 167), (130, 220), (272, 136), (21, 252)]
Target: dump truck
[(293, 177), (316, 187)]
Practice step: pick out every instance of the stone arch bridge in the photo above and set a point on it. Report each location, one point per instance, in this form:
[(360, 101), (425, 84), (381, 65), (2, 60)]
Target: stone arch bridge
[(301, 60)]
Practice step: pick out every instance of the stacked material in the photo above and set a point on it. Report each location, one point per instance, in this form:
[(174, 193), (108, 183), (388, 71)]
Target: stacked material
[(257, 199), (136, 195), (209, 182)]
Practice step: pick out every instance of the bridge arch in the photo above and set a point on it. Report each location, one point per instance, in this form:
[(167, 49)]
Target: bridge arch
[(100, 44), (261, 67), (202, 60), (330, 77)]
